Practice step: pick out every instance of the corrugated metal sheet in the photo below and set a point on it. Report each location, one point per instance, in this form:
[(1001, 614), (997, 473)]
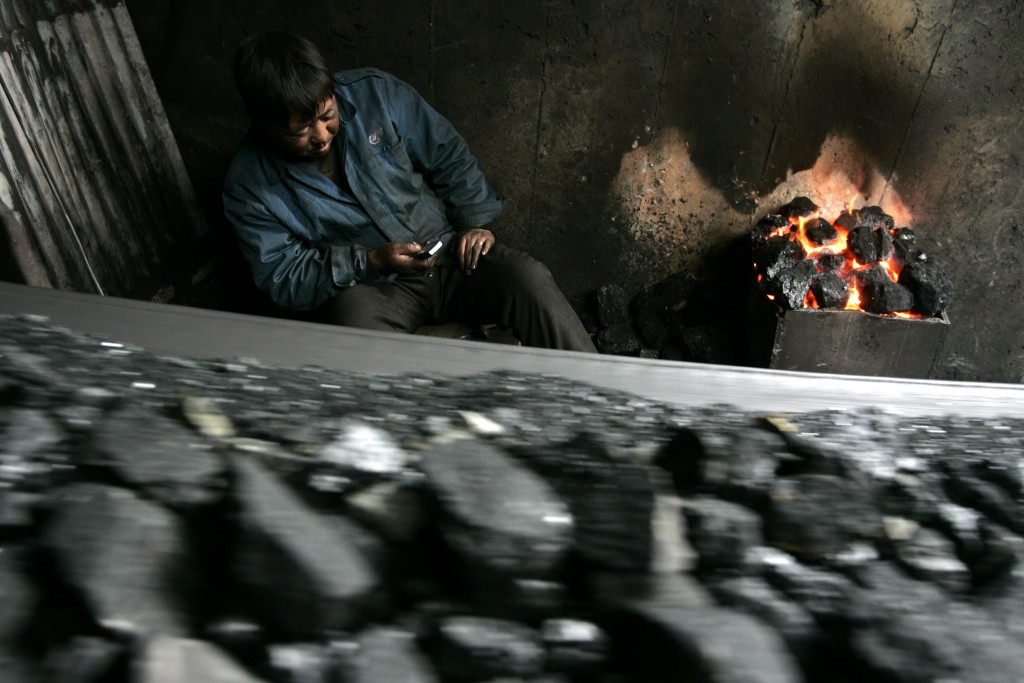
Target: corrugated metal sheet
[(93, 189)]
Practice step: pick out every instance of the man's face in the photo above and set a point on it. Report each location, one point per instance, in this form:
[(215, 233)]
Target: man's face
[(305, 138)]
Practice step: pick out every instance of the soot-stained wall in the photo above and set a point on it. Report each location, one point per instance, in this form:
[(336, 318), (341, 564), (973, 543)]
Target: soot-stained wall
[(636, 139)]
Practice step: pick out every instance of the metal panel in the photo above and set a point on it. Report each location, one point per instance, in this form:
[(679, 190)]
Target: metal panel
[(181, 331), (843, 342), (96, 192)]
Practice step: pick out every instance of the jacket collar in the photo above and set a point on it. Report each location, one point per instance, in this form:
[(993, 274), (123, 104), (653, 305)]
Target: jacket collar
[(346, 110), (274, 165)]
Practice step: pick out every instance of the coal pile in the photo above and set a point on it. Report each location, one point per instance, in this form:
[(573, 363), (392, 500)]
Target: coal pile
[(679, 318), (164, 519), (859, 261)]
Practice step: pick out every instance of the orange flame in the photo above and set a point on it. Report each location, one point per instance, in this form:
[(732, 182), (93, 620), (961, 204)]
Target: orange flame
[(838, 246), (849, 206), (796, 231), (853, 303)]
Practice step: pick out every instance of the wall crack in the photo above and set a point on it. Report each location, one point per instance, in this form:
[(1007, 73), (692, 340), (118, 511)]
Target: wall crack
[(785, 98), (538, 152), (917, 103)]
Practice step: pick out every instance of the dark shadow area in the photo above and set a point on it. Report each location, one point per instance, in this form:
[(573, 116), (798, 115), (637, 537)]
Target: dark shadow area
[(10, 268), (753, 105)]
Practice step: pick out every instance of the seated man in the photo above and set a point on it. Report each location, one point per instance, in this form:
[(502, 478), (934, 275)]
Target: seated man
[(341, 181)]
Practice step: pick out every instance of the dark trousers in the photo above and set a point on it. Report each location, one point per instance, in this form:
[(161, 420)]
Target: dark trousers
[(508, 288)]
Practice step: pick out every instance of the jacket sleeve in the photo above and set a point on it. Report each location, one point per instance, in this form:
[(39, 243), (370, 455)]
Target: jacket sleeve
[(295, 275), (441, 154)]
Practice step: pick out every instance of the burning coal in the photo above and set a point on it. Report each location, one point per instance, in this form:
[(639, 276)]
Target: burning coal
[(858, 261)]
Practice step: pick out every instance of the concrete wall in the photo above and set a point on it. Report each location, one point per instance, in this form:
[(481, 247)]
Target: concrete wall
[(635, 139)]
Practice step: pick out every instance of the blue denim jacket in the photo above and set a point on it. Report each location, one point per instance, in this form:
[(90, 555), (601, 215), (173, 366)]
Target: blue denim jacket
[(409, 169)]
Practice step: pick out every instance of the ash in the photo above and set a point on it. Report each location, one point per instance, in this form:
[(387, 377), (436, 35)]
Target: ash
[(164, 519)]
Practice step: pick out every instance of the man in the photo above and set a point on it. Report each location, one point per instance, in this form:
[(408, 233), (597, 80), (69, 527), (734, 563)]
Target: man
[(341, 181)]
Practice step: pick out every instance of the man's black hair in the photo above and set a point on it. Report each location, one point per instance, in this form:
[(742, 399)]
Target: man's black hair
[(280, 73)]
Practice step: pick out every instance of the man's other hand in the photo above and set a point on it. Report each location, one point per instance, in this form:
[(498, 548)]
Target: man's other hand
[(399, 257), (470, 245)]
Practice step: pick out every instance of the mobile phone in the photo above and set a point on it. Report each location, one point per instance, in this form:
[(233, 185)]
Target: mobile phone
[(429, 249)]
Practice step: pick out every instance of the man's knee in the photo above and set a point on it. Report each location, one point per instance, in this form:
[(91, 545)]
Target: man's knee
[(369, 307), (523, 272), (350, 307)]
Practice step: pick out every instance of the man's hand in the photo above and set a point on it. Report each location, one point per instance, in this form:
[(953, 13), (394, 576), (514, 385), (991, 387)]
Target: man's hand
[(470, 245), (399, 257)]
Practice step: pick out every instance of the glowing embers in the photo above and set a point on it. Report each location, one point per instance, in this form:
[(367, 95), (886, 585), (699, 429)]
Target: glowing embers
[(857, 261)]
